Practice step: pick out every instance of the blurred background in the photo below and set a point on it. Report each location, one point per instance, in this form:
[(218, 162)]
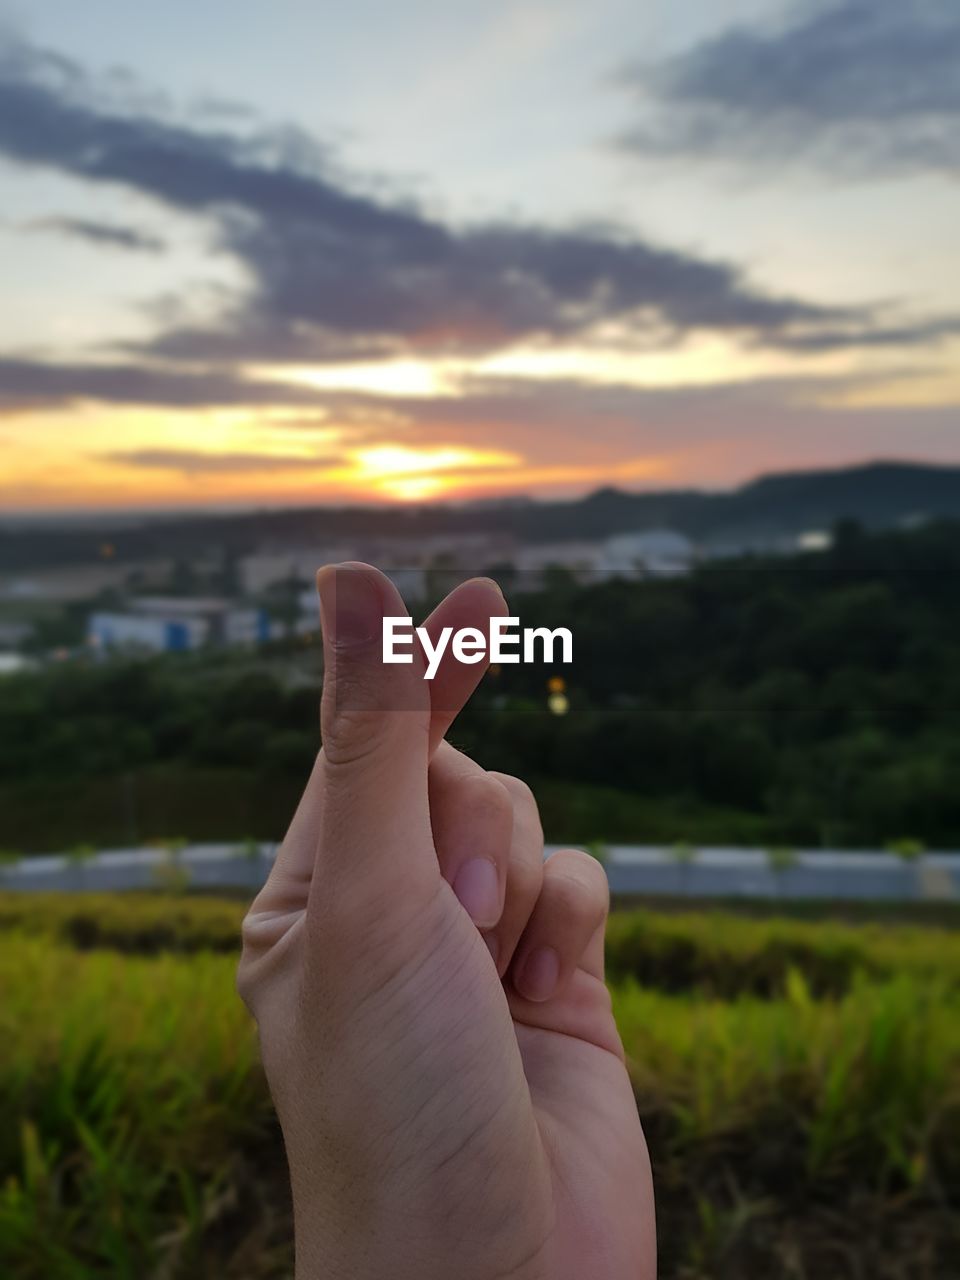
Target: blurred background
[(653, 314)]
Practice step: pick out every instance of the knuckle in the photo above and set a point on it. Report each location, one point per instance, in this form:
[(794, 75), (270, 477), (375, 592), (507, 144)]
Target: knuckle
[(578, 885), (522, 798), (567, 896), (516, 787), (351, 733), (483, 795)]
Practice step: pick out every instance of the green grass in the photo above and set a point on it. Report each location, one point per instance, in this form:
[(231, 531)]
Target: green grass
[(139, 923), (129, 1088), (794, 1118), (721, 953), (715, 953), (869, 1082)]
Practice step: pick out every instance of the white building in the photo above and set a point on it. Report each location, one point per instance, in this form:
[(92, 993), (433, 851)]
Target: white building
[(170, 624), (657, 551), (644, 552), (154, 634), (537, 556)]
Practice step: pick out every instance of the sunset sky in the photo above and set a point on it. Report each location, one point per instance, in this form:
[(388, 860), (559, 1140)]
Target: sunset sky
[(298, 253)]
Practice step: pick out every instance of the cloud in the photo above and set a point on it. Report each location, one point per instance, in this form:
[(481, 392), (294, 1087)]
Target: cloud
[(567, 433), (45, 383), (921, 333), (335, 273), (716, 433), (194, 462), (100, 233), (860, 88), (476, 401)]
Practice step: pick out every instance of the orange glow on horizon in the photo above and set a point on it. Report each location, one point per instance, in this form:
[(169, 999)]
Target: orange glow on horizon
[(426, 427), (222, 469), (373, 448), (369, 485), (413, 474)]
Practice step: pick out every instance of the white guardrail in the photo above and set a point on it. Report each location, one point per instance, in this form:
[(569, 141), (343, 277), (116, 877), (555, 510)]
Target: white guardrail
[(864, 875)]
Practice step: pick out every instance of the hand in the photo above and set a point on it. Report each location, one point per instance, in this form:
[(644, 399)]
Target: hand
[(434, 1024)]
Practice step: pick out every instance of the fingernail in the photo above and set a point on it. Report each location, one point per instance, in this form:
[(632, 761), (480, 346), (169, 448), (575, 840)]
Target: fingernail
[(350, 606), (493, 946), (477, 886), (539, 974)]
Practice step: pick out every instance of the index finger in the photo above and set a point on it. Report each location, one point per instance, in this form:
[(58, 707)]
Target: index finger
[(472, 604)]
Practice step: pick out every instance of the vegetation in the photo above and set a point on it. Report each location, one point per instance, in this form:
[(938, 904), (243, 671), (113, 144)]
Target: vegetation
[(799, 1084), (906, 848), (776, 702), (718, 954)]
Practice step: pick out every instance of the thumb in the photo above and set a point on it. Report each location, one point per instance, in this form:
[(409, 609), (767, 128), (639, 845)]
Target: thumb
[(375, 723)]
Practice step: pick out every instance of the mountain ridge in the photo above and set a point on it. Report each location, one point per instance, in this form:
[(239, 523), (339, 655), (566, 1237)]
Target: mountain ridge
[(879, 494)]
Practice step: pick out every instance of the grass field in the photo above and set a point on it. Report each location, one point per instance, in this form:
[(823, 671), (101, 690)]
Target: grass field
[(799, 1084)]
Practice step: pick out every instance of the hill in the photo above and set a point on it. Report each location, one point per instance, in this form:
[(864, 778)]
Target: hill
[(879, 495)]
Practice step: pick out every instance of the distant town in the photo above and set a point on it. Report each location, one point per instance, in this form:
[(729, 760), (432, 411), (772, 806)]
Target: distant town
[(158, 606), (181, 583)]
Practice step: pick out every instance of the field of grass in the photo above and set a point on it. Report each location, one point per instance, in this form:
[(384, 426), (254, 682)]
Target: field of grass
[(799, 1084)]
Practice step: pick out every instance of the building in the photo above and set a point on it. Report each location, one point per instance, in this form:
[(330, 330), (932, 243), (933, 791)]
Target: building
[(655, 551), (641, 553), (109, 631), (172, 624), (266, 569), (79, 582)]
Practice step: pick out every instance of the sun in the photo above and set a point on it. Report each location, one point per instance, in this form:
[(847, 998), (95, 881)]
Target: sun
[(410, 474), (414, 488)]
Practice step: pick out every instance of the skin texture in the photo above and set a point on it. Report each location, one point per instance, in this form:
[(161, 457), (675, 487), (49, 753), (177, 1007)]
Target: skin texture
[(433, 1019)]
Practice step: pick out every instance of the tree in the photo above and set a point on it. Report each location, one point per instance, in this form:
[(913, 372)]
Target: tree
[(79, 857), (9, 862), (598, 849), (780, 860), (683, 855), (170, 873), (907, 849), (249, 849)]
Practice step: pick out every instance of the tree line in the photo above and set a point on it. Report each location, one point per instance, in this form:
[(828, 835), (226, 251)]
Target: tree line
[(806, 700)]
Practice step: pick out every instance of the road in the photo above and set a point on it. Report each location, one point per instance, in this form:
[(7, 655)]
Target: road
[(868, 875)]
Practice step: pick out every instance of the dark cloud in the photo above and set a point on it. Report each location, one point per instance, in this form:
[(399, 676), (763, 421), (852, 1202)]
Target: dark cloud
[(922, 333), (478, 401), (193, 462), (43, 383), (335, 274), (860, 88), (100, 233)]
